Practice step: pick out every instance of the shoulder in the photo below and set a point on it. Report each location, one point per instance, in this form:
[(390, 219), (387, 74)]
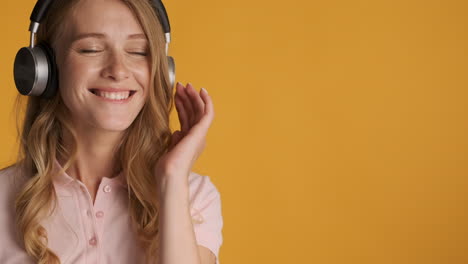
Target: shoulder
[(7, 171), (11, 248), (9, 185), (206, 213), (8, 181), (202, 189)]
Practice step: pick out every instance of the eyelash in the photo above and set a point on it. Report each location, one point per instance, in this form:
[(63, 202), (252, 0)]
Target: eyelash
[(95, 51)]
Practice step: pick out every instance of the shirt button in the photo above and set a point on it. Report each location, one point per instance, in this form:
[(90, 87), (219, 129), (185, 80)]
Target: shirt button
[(93, 241), (107, 188), (99, 214), (198, 219)]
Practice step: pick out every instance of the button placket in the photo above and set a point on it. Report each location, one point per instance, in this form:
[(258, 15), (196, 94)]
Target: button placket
[(93, 249), (89, 223), (104, 197)]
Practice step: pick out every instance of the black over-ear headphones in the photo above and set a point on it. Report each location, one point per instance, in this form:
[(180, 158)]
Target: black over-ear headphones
[(35, 70)]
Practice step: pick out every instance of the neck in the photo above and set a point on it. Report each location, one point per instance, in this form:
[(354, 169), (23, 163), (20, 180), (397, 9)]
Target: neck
[(96, 155)]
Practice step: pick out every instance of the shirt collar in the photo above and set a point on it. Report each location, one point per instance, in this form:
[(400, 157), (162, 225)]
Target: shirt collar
[(63, 179)]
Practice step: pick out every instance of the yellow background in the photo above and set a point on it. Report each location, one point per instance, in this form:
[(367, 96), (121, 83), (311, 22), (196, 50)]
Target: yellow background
[(340, 133)]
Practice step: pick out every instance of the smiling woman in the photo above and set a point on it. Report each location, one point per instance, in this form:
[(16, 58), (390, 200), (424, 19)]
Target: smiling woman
[(100, 177)]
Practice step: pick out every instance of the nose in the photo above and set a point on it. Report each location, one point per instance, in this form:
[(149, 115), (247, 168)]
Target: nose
[(116, 67)]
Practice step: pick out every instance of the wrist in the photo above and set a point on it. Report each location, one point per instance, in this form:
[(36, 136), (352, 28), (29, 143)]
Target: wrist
[(173, 187)]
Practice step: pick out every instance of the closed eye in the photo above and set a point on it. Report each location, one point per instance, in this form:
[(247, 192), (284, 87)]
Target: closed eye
[(95, 51), (89, 51), (143, 54), (140, 53)]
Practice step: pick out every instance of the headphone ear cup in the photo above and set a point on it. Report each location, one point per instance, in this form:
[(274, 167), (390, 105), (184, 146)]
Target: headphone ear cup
[(24, 71), (52, 80), (35, 71), (171, 64)]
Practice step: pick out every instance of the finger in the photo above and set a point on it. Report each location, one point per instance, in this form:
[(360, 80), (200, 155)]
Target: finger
[(176, 136), (208, 115), (197, 102), (181, 112), (187, 106), (200, 129)]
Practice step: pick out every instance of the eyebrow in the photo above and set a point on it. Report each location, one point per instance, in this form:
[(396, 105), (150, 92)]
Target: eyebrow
[(103, 36)]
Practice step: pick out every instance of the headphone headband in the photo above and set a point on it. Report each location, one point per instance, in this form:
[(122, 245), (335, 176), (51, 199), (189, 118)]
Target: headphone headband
[(42, 6), (161, 12), (40, 10)]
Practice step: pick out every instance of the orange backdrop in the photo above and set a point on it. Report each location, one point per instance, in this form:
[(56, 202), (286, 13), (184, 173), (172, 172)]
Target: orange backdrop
[(340, 133)]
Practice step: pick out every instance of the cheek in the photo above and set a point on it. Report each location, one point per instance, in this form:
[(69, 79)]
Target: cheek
[(74, 71), (143, 77), (73, 78)]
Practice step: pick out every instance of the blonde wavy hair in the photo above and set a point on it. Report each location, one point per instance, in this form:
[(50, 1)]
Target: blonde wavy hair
[(41, 139)]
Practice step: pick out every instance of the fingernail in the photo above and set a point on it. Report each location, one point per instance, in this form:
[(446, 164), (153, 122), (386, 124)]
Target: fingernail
[(203, 89)]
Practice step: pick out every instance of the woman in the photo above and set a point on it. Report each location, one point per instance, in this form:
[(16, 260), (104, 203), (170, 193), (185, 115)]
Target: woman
[(100, 177)]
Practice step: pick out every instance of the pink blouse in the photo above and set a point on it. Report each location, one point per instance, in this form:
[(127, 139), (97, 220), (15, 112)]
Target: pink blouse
[(83, 233)]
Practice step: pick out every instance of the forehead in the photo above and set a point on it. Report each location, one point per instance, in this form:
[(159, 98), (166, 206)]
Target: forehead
[(110, 17)]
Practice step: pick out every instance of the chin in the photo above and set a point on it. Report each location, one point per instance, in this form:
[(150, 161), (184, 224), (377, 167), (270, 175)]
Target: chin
[(115, 125)]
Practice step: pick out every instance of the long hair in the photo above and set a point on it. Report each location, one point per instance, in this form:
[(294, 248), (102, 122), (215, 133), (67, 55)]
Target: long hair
[(44, 123)]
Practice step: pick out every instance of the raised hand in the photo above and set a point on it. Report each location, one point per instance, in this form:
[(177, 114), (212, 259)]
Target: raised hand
[(196, 113)]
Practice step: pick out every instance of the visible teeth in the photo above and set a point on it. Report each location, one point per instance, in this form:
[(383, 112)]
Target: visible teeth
[(114, 96)]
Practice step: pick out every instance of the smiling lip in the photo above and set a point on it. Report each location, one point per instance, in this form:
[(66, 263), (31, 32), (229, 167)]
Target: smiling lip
[(110, 90)]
